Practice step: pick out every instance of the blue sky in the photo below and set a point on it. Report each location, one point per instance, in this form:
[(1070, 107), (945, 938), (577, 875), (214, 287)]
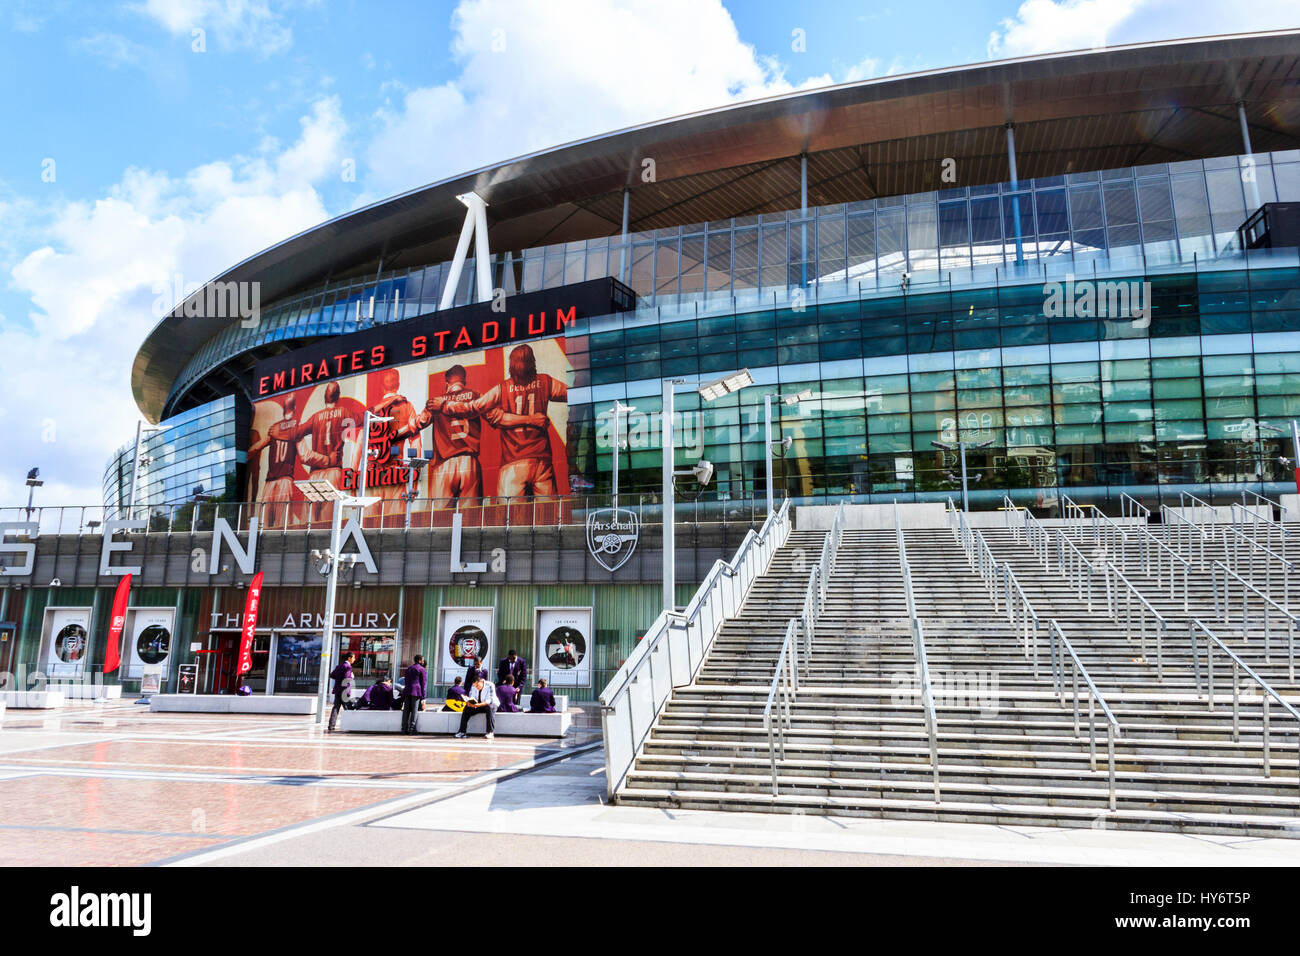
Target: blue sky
[(138, 150)]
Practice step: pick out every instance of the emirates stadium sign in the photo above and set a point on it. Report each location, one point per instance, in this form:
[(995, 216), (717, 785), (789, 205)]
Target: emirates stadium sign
[(467, 328)]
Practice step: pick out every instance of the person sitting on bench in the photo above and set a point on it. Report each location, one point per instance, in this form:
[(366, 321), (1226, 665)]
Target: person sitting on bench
[(507, 694), (380, 696), (543, 699), (454, 692), (480, 699)]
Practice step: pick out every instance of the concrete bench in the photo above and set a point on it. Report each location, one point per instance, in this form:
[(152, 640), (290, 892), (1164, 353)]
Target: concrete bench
[(88, 691), (448, 722), (231, 704), (32, 699)]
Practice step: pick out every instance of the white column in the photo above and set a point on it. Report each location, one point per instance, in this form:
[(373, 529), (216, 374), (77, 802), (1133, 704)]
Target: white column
[(458, 260), (1249, 151), (1015, 184), (482, 256)]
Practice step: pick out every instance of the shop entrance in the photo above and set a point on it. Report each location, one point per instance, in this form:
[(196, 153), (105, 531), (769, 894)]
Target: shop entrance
[(219, 661)]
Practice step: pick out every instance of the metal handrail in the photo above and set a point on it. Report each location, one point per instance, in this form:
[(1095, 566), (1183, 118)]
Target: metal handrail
[(1072, 565), (1030, 529), (1130, 507), (1020, 613), (927, 701), (1113, 729), (1224, 613), (1102, 524), (1163, 553), (1172, 521), (778, 712), (1255, 521), (918, 639), (1261, 500), (811, 611), (713, 603), (1237, 663), (981, 557), (1144, 608), (1266, 555), (1185, 496)]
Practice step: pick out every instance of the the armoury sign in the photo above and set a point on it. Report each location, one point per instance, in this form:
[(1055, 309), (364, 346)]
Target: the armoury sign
[(612, 536), (468, 328)]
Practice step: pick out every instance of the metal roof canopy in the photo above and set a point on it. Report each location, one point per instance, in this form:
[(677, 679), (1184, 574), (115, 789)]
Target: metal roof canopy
[(1089, 110)]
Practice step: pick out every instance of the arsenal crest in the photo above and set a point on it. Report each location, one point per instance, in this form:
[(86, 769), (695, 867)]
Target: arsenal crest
[(612, 534)]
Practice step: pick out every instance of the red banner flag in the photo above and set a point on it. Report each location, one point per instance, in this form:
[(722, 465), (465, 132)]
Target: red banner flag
[(250, 624), (116, 625)]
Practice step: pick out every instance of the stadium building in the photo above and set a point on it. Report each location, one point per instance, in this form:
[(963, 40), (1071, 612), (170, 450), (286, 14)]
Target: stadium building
[(1080, 268)]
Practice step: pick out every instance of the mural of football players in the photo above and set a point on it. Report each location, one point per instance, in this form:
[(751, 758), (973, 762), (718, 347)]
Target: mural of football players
[(282, 439), (325, 429), (457, 440), (403, 430), (518, 408)]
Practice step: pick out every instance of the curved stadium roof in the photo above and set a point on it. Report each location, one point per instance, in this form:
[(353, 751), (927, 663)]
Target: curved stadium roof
[(1111, 108)]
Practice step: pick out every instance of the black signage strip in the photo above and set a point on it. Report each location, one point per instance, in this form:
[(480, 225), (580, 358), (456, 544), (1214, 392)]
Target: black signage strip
[(528, 315)]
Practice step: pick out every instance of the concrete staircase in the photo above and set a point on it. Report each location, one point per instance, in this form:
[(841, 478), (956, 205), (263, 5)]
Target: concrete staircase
[(1009, 750)]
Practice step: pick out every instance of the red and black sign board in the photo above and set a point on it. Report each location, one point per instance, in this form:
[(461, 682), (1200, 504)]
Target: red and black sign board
[(479, 325)]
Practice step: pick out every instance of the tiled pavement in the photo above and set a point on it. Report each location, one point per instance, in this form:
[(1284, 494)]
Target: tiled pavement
[(113, 784)]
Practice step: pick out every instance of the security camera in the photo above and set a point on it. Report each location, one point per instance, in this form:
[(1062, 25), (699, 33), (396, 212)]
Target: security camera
[(786, 442), (55, 583)]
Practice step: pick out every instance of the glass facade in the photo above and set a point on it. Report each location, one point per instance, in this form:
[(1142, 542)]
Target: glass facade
[(193, 453), (1201, 396), (1171, 212), (912, 319)]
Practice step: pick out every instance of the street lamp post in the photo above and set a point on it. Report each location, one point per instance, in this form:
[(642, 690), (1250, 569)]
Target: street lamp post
[(413, 465), (319, 490), (795, 399), (961, 447), (33, 482), (703, 471)]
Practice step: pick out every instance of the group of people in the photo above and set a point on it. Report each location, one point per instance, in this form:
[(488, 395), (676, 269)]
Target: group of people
[(472, 695)]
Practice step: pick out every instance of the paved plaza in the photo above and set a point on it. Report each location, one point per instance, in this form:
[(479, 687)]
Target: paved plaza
[(113, 784)]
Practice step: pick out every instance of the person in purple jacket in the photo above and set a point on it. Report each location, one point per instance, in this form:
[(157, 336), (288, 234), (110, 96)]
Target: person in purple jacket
[(413, 696), (473, 672), (507, 693), (379, 695), (543, 699), (512, 665), (455, 692), (342, 677)]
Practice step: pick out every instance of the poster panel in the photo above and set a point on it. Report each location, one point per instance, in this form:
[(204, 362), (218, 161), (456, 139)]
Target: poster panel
[(66, 637), (151, 638), (492, 424), (564, 643), (464, 633), (297, 662)]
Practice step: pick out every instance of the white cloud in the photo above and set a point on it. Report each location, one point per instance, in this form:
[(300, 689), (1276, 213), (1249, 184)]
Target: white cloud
[(1048, 26), (93, 287), (536, 75), (233, 24)]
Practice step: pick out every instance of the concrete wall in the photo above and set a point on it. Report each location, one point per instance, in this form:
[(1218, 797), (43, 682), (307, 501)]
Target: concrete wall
[(914, 515)]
